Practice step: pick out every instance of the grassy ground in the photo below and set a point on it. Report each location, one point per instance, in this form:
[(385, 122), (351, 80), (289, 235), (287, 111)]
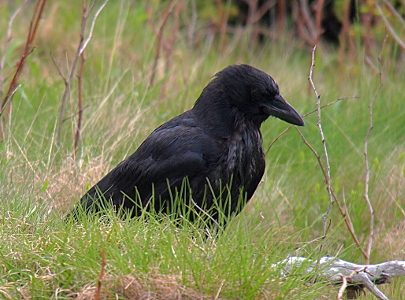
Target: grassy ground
[(44, 258)]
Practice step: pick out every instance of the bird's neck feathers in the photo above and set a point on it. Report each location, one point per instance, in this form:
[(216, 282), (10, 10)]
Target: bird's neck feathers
[(215, 110)]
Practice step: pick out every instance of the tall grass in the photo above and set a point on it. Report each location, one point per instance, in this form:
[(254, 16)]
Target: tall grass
[(42, 257)]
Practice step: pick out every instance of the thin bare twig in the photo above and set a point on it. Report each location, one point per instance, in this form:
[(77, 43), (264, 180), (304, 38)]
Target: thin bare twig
[(305, 115), (7, 43), (400, 42), (329, 104), (80, 49), (7, 100), (93, 23), (325, 150), (342, 209), (342, 289), (326, 170), (394, 12), (58, 69)]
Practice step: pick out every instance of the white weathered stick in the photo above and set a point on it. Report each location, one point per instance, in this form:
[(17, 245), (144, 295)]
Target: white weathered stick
[(332, 269)]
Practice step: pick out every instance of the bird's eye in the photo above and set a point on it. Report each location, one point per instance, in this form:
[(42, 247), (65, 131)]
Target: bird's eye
[(255, 94)]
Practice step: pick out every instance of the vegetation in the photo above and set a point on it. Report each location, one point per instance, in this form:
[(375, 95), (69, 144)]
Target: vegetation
[(133, 79)]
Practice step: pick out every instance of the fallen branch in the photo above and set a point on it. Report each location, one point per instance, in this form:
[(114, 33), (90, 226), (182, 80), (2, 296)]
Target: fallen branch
[(337, 271)]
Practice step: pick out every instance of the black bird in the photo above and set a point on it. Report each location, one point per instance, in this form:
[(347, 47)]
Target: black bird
[(209, 154)]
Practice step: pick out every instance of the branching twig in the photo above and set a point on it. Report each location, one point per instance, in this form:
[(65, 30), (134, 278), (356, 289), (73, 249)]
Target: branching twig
[(6, 103), (7, 43), (342, 209), (325, 150), (80, 49), (342, 289), (305, 115), (326, 170)]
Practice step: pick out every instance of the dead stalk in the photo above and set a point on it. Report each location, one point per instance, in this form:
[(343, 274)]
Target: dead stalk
[(326, 170), (399, 41), (305, 115), (80, 49), (28, 48), (7, 43), (325, 150)]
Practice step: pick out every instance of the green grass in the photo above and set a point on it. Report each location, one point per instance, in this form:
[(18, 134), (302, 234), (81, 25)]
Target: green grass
[(43, 258)]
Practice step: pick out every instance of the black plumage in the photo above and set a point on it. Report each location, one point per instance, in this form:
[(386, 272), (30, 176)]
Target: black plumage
[(211, 153)]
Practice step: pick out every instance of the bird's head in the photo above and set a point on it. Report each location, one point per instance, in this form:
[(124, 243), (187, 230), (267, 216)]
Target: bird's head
[(253, 93)]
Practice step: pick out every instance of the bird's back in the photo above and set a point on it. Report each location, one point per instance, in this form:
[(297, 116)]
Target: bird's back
[(183, 157)]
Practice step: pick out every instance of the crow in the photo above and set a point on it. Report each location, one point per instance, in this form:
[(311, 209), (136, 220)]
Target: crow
[(210, 157)]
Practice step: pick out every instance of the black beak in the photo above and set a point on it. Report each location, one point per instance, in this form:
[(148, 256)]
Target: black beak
[(281, 109)]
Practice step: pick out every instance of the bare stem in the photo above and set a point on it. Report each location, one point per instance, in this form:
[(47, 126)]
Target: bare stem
[(400, 42), (325, 150), (80, 49), (7, 100), (7, 43), (305, 115)]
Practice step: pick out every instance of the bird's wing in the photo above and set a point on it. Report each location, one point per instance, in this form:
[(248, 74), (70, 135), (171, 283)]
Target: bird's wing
[(175, 150)]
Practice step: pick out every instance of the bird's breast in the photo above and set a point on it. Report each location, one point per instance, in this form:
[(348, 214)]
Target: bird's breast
[(245, 158)]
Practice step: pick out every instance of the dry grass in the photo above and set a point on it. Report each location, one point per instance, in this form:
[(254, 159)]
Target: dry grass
[(135, 287)]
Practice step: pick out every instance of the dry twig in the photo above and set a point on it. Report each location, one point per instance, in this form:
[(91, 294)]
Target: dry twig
[(326, 170), (327, 173), (400, 42), (305, 115), (6, 103), (7, 43), (80, 49)]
